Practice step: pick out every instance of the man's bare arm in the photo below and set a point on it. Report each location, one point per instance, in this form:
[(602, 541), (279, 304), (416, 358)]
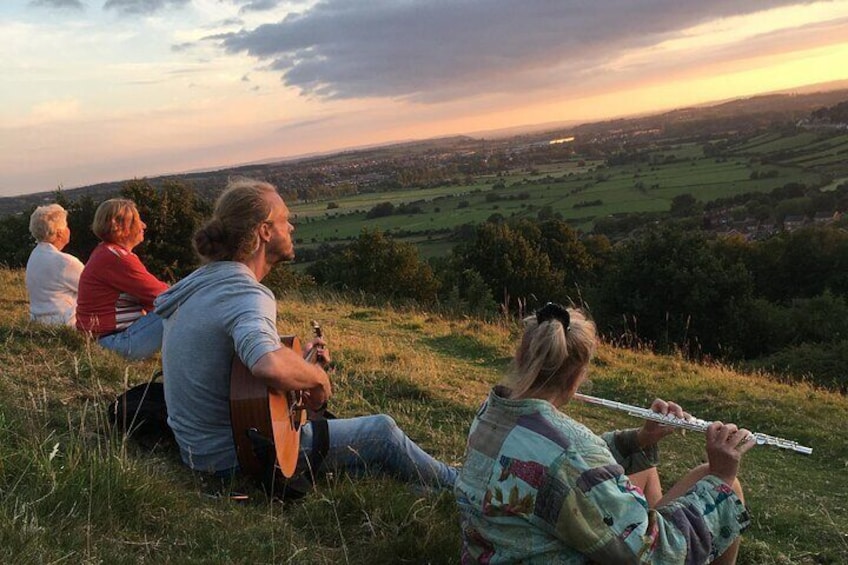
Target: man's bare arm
[(285, 370)]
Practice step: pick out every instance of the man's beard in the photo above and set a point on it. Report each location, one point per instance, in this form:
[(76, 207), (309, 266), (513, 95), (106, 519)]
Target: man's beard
[(282, 257)]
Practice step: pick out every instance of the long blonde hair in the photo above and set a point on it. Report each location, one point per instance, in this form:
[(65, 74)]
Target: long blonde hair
[(231, 234), (554, 352)]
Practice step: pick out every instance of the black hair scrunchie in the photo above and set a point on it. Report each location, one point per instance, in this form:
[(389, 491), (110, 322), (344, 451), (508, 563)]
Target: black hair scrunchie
[(554, 311)]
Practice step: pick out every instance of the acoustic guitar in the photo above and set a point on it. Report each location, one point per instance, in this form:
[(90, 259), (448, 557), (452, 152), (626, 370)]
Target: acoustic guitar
[(261, 415)]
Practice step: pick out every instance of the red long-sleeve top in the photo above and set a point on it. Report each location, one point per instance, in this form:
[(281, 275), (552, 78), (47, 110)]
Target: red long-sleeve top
[(115, 289)]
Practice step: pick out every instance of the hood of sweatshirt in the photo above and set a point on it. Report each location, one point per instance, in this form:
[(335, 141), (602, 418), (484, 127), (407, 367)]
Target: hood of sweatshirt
[(208, 276)]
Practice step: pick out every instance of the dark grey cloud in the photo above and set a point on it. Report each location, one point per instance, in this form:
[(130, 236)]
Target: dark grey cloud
[(142, 7), (230, 22), (440, 49), (259, 5), (181, 47), (73, 4)]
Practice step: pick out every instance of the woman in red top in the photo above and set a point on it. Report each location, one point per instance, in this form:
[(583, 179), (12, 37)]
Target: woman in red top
[(116, 292)]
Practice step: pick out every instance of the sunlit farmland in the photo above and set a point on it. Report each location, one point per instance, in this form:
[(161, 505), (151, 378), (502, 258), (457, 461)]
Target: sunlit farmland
[(580, 192)]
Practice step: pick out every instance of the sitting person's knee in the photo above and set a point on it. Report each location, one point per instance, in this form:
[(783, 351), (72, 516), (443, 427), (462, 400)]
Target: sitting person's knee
[(385, 423)]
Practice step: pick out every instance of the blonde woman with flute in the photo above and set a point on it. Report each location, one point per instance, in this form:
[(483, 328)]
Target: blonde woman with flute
[(539, 487)]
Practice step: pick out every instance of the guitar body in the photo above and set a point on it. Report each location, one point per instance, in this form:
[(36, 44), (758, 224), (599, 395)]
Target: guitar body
[(256, 409)]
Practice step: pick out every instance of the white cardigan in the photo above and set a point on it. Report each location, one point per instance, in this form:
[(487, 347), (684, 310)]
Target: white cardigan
[(52, 280)]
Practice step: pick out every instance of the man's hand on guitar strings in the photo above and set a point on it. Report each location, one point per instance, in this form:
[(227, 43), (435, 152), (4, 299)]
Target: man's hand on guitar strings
[(315, 398)]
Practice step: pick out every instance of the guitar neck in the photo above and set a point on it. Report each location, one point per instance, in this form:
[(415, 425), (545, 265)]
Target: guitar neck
[(312, 355)]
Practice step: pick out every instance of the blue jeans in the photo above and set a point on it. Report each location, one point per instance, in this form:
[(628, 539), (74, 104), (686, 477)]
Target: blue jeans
[(142, 339), (376, 445)]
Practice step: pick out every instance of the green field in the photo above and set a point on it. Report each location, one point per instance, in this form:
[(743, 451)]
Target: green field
[(579, 193), (773, 143), (828, 152)]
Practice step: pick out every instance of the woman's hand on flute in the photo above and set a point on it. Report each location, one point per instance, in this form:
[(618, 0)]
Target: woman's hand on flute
[(725, 446), (651, 432)]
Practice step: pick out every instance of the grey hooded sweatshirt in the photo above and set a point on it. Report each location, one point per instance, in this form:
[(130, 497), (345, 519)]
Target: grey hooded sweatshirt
[(218, 311)]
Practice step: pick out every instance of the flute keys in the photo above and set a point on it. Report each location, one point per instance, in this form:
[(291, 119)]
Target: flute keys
[(691, 423)]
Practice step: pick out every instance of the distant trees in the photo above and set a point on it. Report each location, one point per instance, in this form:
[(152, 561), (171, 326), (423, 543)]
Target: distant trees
[(15, 240), (464, 289), (510, 264), (384, 209), (837, 114), (588, 203), (381, 210), (80, 217), (499, 262), (377, 264), (172, 214), (526, 259), (770, 174), (752, 302), (569, 253), (16, 243), (685, 205), (801, 264), (715, 148), (670, 288)]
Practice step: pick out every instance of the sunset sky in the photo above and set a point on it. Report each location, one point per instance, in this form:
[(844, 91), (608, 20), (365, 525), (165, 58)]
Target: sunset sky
[(105, 90)]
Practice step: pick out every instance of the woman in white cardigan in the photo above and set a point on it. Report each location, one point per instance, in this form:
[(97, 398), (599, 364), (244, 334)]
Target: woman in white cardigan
[(52, 277)]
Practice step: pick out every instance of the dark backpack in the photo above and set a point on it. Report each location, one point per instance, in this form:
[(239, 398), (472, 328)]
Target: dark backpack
[(141, 413)]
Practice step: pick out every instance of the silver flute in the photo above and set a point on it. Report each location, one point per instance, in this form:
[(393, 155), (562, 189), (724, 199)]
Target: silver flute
[(690, 423)]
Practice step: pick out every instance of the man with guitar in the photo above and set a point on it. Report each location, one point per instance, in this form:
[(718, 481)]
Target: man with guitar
[(222, 310)]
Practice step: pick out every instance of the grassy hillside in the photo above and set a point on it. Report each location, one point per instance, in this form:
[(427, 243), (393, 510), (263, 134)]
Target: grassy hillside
[(71, 492)]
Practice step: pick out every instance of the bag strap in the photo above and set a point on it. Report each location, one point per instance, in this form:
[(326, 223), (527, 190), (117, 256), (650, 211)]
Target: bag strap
[(319, 414), (320, 447)]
